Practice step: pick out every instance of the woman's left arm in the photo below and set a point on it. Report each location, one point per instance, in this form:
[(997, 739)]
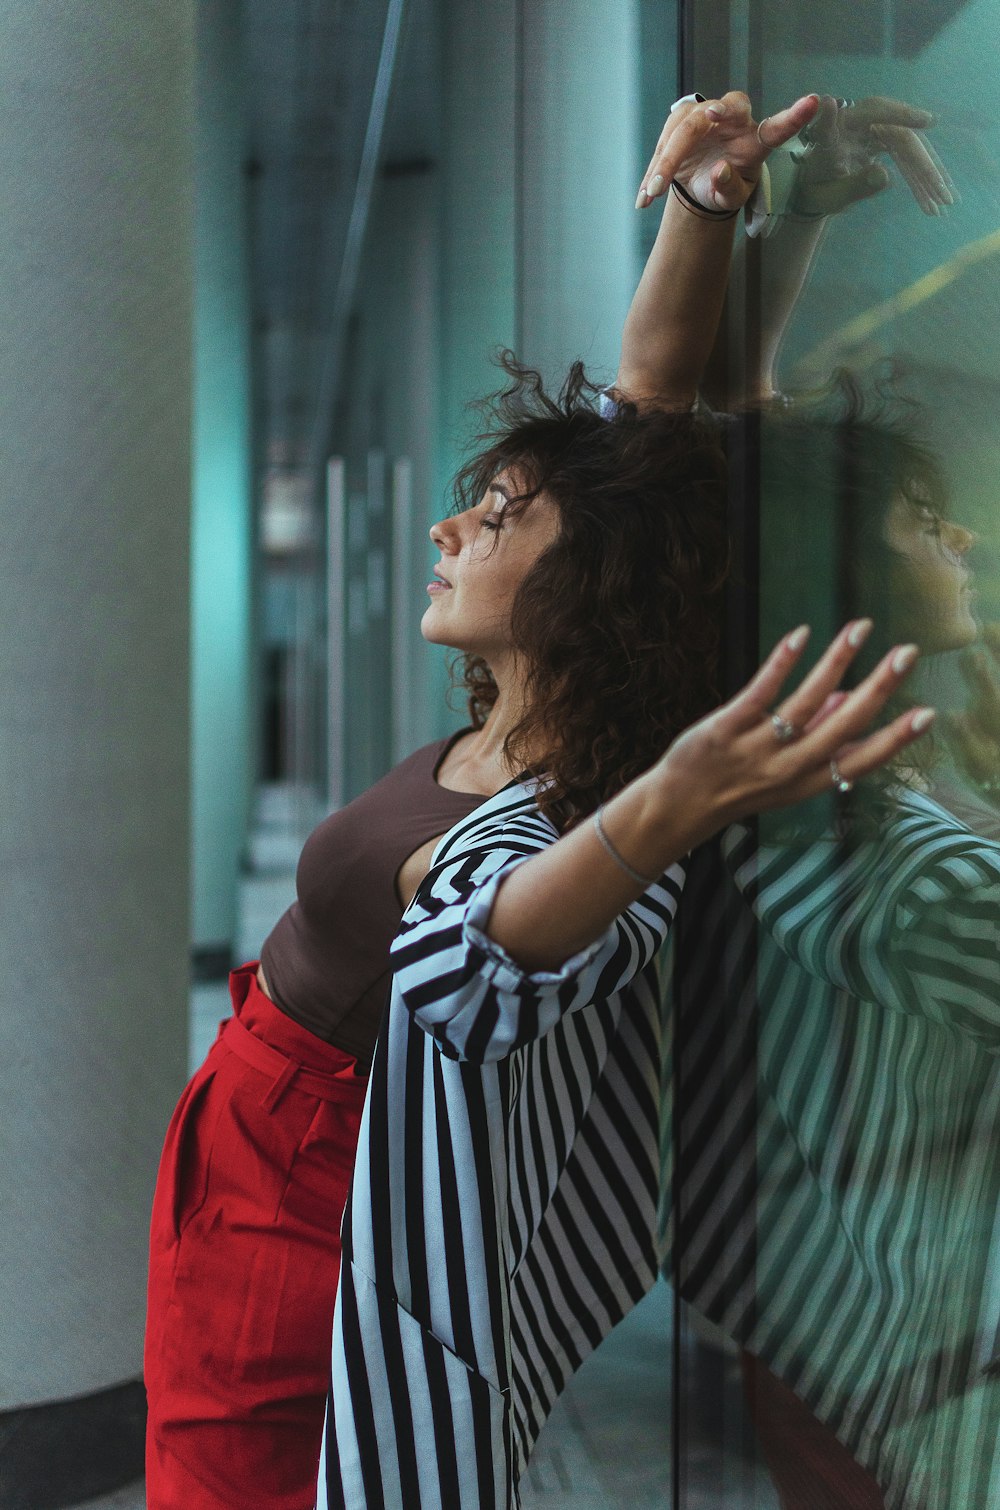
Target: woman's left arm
[(713, 152)]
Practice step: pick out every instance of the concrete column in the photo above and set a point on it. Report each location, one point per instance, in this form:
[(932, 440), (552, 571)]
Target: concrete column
[(480, 227), (221, 547), (581, 162), (95, 373)]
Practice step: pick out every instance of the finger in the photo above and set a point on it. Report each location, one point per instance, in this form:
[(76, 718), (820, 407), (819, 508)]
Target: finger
[(727, 189), (753, 703), (860, 708), (725, 118), (879, 749), (914, 154), (879, 110), (825, 677), (680, 138), (823, 130), (775, 130), (918, 168), (831, 705)]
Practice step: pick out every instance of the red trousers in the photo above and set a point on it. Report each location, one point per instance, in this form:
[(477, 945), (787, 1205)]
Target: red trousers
[(810, 1468), (244, 1263)]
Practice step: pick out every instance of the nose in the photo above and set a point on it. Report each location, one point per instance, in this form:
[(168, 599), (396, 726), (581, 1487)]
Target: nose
[(445, 536), (958, 538)]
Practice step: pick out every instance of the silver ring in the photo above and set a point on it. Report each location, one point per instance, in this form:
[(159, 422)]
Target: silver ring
[(843, 784), (759, 137), (784, 731)]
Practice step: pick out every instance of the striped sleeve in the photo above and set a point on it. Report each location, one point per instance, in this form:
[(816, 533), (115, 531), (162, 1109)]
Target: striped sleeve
[(912, 924), (478, 1004)]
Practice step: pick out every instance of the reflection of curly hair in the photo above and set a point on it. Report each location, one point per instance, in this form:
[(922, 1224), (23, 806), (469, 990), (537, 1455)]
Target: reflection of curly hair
[(617, 621)]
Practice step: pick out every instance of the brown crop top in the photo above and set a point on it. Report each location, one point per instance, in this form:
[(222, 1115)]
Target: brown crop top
[(326, 961)]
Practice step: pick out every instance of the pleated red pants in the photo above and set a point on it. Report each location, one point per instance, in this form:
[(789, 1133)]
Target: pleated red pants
[(810, 1468), (244, 1263)]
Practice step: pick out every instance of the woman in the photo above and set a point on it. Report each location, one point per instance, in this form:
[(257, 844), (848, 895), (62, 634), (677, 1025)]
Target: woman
[(502, 1215), (616, 516), (836, 1074)]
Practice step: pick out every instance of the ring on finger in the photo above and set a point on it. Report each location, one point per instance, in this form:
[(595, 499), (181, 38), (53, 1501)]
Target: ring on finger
[(842, 783), (760, 127), (783, 730)]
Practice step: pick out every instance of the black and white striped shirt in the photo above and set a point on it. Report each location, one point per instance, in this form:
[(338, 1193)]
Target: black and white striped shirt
[(836, 1135), (502, 1217)]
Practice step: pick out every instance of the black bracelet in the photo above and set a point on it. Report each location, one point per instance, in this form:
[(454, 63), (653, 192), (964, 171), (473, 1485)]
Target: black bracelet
[(696, 207)]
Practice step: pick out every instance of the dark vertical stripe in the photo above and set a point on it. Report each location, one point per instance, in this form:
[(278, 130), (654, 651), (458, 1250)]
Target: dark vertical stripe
[(380, 1204), (443, 1422), (361, 1402), (411, 1112), (451, 1222), (482, 1155), (399, 1398)]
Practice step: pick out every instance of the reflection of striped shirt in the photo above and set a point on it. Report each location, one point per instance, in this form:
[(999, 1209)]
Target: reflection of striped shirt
[(836, 1142), (503, 1211)]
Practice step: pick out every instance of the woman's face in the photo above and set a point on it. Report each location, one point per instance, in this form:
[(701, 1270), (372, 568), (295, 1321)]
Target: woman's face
[(484, 559), (932, 585)]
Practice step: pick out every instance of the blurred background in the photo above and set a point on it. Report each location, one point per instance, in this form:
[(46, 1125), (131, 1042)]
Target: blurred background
[(256, 258)]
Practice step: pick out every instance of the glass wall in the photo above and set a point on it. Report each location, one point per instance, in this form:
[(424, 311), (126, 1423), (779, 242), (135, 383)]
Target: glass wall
[(834, 1177)]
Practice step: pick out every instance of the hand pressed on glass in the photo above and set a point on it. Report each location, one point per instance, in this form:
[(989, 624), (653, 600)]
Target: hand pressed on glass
[(716, 150), (730, 764)]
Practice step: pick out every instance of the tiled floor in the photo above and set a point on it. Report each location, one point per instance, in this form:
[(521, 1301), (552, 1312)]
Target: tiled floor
[(607, 1443)]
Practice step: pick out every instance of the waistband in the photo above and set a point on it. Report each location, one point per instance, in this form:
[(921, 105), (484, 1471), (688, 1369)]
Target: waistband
[(339, 1085)]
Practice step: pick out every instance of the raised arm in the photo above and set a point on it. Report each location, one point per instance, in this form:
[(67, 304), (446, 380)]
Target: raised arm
[(835, 165), (706, 166)]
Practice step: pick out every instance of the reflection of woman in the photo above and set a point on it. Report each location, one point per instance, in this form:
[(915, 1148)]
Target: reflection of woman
[(577, 578), (838, 1046)]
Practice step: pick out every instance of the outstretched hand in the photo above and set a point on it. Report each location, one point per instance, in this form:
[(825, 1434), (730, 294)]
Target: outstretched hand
[(716, 149), (744, 758), (842, 144)]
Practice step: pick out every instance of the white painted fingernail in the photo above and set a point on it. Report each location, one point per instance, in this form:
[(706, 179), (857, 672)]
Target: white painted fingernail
[(798, 637), (859, 633), (904, 659), (923, 719), (641, 199), (655, 185)]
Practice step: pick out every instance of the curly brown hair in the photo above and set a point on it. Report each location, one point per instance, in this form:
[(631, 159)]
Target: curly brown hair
[(618, 620)]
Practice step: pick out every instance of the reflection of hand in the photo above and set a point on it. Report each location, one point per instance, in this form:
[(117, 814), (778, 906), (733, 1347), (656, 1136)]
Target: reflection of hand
[(739, 761), (714, 150), (839, 164), (974, 734)]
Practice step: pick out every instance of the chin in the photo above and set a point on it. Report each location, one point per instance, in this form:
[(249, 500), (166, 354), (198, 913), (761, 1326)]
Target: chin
[(956, 634)]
